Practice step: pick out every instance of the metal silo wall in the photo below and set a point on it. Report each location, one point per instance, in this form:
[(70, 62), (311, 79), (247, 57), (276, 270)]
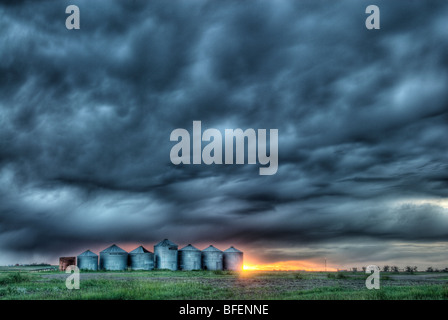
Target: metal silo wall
[(113, 261), (190, 260), (233, 261), (141, 261), (88, 263), (212, 260), (165, 258)]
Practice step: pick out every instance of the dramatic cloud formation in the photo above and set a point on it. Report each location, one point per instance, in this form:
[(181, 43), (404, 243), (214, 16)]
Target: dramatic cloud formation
[(86, 117)]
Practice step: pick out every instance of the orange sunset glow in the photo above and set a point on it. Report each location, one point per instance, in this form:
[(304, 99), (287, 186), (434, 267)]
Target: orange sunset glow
[(287, 265)]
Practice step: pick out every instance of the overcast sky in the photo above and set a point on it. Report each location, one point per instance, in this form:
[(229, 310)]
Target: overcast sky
[(362, 118)]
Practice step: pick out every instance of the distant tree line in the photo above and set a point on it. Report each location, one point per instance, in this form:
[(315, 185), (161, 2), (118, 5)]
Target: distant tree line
[(407, 269), (34, 264)]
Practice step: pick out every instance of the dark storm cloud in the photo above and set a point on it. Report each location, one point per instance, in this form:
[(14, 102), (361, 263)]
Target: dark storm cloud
[(86, 115)]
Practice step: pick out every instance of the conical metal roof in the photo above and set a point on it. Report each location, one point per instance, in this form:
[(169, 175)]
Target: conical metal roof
[(88, 253), (113, 249), (165, 243), (211, 248), (189, 248), (232, 249), (140, 249)]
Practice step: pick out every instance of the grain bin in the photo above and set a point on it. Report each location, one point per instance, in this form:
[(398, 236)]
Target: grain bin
[(64, 262), (212, 258), (190, 258), (165, 253), (141, 259), (88, 261), (113, 258), (233, 259)]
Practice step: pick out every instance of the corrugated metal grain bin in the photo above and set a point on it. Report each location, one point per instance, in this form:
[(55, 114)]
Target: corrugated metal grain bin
[(64, 262), (190, 258), (165, 253), (212, 258), (88, 261), (113, 258), (141, 259), (233, 259)]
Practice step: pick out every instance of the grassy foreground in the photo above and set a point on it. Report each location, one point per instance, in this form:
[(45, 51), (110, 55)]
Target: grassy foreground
[(154, 285)]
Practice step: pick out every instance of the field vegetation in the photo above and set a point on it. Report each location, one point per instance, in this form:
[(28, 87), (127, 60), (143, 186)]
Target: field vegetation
[(35, 283)]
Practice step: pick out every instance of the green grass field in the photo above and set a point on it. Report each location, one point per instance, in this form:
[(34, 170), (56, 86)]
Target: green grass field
[(27, 283)]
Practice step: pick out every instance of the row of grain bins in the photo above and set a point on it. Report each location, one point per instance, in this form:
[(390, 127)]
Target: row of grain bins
[(166, 256)]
